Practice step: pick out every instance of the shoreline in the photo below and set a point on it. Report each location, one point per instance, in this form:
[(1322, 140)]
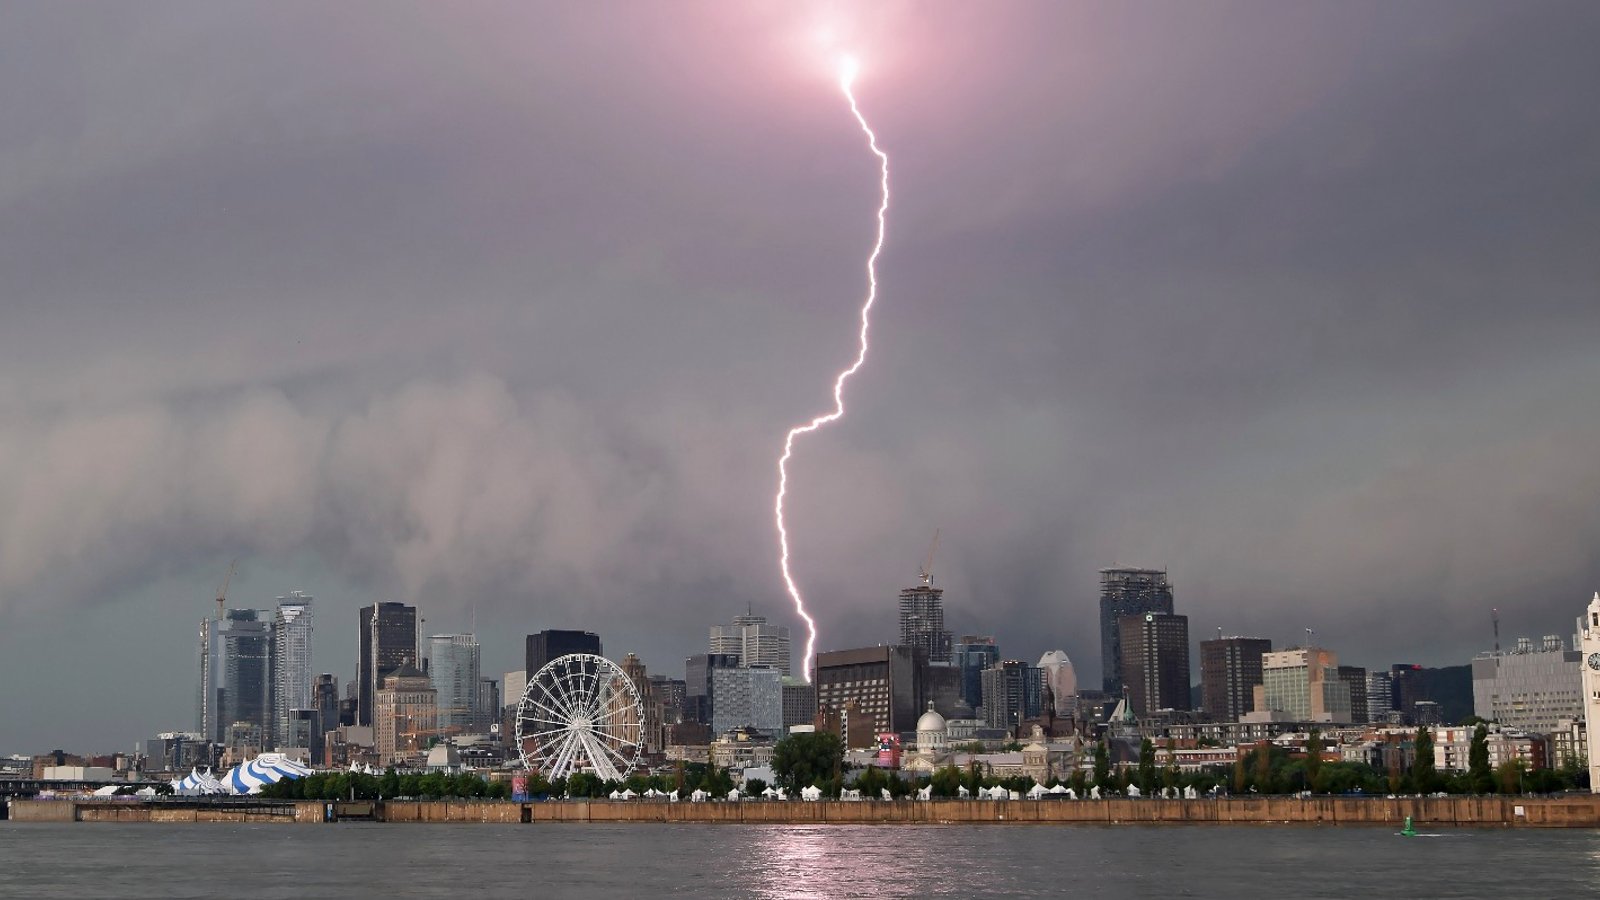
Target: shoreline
[(1459, 811)]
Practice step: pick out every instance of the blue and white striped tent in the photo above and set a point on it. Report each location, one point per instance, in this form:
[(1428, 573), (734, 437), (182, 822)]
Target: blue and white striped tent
[(197, 783), (268, 768)]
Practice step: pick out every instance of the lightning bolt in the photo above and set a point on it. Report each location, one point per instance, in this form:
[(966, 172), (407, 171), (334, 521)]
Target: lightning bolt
[(847, 75)]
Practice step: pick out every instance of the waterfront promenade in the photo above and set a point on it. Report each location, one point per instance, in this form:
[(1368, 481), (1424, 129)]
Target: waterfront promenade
[(1580, 811)]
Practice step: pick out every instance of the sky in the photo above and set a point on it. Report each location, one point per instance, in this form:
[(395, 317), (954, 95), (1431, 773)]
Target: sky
[(503, 310)]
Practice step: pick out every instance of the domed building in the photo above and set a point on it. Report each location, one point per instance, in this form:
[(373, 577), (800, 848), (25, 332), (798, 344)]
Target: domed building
[(931, 733), (1062, 679)]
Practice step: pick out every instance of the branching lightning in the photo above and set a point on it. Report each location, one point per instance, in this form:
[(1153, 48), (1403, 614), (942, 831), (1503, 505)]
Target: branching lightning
[(847, 75)]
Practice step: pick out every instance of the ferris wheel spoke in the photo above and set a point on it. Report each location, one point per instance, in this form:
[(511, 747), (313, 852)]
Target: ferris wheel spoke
[(556, 694), (557, 714), (625, 762), (602, 757)]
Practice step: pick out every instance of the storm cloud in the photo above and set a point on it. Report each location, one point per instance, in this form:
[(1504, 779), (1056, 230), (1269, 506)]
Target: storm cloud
[(503, 310)]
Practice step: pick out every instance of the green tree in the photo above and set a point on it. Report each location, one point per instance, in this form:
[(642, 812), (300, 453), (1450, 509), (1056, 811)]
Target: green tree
[(1424, 778), (1102, 767), (1509, 775), (754, 786), (1147, 767), (800, 760), (1314, 760), (1079, 782), (1479, 774), (946, 781), (871, 781)]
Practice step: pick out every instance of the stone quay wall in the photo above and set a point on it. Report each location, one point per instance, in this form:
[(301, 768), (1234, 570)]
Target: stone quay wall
[(1582, 811)]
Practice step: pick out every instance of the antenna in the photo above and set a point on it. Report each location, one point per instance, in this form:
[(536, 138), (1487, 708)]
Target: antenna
[(1308, 638), (1494, 616)]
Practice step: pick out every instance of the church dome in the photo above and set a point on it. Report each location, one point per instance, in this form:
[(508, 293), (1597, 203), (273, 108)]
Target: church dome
[(931, 721)]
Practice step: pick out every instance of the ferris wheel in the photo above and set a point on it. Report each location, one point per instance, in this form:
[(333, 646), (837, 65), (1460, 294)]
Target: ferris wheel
[(580, 712)]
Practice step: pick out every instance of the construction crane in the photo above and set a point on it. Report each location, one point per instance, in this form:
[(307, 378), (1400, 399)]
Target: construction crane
[(1494, 616), (222, 591), (927, 568)]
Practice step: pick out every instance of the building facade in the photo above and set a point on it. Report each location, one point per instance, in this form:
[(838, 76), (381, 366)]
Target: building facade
[(1062, 680), (1528, 688), (247, 674), (454, 664), (756, 643), (1230, 669), (699, 699), (291, 665), (1012, 692), (1589, 647), (407, 713), (922, 621), (799, 703), (747, 697), (1126, 592), (387, 637), (1301, 685), (972, 655), (1356, 677), (1155, 661), (882, 682), (553, 643)]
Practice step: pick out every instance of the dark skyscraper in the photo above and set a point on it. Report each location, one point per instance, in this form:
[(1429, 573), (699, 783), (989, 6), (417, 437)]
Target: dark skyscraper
[(247, 669), (393, 627), (922, 621), (1230, 669), (1155, 661), (698, 700), (1126, 592), (552, 643), (973, 654), (1356, 677)]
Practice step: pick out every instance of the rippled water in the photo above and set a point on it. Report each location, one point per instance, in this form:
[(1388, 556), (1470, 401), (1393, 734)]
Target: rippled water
[(573, 860)]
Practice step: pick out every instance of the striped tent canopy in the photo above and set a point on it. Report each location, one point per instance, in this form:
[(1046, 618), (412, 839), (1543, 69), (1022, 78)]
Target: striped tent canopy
[(268, 768), (197, 783)]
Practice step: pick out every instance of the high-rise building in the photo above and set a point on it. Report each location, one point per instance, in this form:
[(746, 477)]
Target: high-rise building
[(208, 712), (651, 728), (1230, 669), (1062, 680), (1380, 696), (325, 700), (513, 686), (488, 710), (388, 640), (922, 621), (1126, 592), (699, 700), (247, 673), (1155, 661), (1011, 694), (799, 702), (453, 667), (973, 654), (756, 643), (1529, 688), (1301, 685), (406, 712), (747, 697), (1356, 677), (883, 683), (553, 643), (291, 663)]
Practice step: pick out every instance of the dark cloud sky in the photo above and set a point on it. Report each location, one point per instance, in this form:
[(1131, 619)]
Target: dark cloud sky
[(506, 308)]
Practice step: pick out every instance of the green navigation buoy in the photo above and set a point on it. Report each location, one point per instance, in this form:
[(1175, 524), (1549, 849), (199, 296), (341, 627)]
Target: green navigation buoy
[(1408, 831)]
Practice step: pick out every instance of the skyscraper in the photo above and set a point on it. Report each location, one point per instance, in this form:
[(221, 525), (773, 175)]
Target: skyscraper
[(208, 712), (1230, 669), (883, 682), (247, 671), (453, 667), (291, 662), (1155, 661), (754, 641), (553, 642), (1126, 592), (922, 621), (699, 699), (747, 696), (1011, 694), (973, 654), (1301, 685), (1062, 679), (388, 636)]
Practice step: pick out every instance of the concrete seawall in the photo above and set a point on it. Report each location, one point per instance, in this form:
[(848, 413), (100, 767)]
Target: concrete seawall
[(1514, 812)]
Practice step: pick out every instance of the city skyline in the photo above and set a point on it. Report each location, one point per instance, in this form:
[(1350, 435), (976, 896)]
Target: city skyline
[(498, 315)]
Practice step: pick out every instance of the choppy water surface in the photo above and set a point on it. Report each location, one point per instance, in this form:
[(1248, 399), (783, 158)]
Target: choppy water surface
[(572, 860)]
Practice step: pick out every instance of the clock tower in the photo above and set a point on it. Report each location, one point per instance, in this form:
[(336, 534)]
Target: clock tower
[(1589, 638)]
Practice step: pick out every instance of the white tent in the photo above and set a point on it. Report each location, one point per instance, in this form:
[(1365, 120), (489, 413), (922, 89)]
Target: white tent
[(1133, 791), (849, 795), (926, 793), (962, 792), (628, 794), (1061, 789), (811, 793), (109, 790), (734, 795), (783, 794), (1037, 791), (699, 796), (673, 797), (615, 795), (883, 794), (1094, 792), (769, 793)]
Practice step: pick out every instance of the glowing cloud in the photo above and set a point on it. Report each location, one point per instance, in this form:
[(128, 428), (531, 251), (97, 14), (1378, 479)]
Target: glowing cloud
[(848, 68)]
